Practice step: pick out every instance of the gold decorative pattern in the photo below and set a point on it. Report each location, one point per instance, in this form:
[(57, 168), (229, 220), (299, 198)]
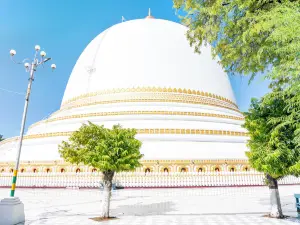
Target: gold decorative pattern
[(153, 90), (122, 113), (141, 131), (197, 161), (155, 165), (161, 161), (174, 99)]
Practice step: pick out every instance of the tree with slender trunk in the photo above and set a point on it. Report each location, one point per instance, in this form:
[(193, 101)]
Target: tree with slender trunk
[(273, 147), (251, 37), (108, 150)]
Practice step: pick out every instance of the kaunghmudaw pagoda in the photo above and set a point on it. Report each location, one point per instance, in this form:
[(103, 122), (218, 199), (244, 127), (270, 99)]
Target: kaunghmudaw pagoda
[(144, 74)]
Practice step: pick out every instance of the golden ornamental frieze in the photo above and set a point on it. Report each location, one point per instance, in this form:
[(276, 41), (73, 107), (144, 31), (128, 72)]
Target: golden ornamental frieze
[(151, 90), (154, 98), (140, 131), (171, 162), (196, 161), (125, 113), (144, 96), (149, 161), (201, 102)]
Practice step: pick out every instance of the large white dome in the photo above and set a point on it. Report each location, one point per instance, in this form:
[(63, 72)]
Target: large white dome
[(143, 74), (146, 53)]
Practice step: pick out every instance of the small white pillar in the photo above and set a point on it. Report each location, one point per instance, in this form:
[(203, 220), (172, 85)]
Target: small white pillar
[(11, 211)]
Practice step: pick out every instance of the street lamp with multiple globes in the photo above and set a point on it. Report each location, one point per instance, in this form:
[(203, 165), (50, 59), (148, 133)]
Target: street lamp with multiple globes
[(12, 209), (31, 67)]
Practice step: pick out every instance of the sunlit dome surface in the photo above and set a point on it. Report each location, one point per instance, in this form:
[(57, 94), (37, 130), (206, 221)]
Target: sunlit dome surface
[(146, 53)]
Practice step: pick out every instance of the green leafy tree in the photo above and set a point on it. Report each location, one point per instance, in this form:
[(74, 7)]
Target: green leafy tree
[(1, 137), (250, 37), (274, 149), (108, 150)]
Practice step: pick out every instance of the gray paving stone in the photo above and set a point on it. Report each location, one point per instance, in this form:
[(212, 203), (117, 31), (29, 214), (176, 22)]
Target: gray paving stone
[(212, 206)]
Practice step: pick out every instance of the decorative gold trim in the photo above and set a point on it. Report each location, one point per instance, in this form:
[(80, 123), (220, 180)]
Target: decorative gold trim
[(197, 161), (173, 165), (141, 131), (150, 89), (174, 99), (159, 162), (121, 113), (155, 165)]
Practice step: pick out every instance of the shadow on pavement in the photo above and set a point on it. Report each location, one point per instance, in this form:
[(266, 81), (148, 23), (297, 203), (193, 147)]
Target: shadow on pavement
[(141, 209)]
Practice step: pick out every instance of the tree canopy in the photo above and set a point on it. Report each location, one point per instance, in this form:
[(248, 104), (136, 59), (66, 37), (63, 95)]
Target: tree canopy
[(1, 137), (248, 35), (273, 149), (106, 149), (252, 36)]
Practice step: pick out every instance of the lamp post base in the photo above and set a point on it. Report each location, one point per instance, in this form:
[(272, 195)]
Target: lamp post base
[(11, 211)]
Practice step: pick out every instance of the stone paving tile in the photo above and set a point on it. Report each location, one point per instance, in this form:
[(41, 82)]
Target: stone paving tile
[(215, 206), (169, 219)]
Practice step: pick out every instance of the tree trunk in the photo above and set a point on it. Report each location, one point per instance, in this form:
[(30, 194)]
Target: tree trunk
[(107, 186), (276, 211)]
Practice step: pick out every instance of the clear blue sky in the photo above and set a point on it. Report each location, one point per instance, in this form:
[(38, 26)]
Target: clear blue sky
[(63, 28)]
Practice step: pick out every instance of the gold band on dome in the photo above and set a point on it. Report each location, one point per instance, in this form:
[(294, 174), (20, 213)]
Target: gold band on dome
[(141, 131), (149, 161), (197, 161), (201, 102), (150, 97), (150, 89), (124, 113)]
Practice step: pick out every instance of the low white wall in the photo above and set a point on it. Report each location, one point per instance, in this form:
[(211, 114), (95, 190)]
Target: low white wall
[(137, 179)]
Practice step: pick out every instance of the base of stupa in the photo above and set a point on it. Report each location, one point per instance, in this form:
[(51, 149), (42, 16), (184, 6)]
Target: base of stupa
[(158, 166)]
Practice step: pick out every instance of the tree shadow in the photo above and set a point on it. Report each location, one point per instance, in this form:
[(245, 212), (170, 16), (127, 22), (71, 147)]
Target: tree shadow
[(141, 209)]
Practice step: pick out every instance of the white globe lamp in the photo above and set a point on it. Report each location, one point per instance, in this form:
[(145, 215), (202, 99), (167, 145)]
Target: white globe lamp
[(12, 52), (43, 53), (37, 47)]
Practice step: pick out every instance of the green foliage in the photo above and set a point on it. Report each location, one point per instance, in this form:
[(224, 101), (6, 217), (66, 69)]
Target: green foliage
[(249, 35), (274, 149), (106, 149), (252, 36), (1, 137), (287, 89)]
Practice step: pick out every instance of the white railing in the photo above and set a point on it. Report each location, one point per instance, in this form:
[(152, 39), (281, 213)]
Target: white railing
[(138, 179)]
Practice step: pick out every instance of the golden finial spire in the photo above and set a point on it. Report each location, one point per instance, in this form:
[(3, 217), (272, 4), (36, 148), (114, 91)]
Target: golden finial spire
[(149, 15)]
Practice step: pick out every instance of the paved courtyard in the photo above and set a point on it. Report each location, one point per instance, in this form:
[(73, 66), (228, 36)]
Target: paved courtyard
[(242, 205)]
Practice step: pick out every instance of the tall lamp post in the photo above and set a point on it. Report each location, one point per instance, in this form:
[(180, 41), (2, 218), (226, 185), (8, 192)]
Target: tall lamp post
[(12, 209), (30, 67)]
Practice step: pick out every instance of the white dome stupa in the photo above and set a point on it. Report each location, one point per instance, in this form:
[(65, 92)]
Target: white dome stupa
[(143, 74)]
